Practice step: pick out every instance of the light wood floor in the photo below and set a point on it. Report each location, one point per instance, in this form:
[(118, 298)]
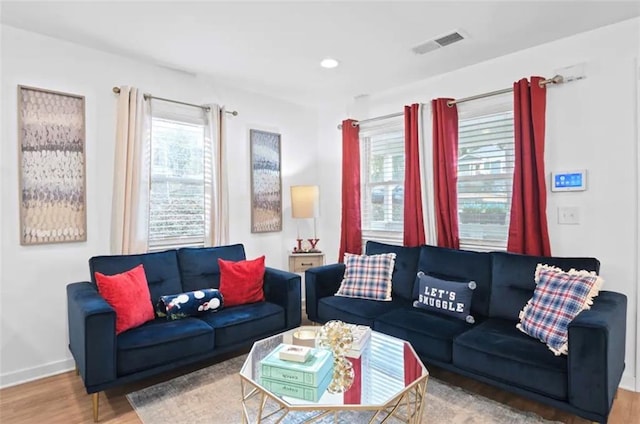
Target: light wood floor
[(62, 399)]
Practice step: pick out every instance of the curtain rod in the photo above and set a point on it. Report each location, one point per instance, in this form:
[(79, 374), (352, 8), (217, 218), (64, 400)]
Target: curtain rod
[(558, 79), (377, 118), (149, 96)]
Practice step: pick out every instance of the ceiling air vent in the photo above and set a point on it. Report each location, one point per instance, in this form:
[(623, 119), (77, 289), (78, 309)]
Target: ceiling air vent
[(435, 44), (449, 39)]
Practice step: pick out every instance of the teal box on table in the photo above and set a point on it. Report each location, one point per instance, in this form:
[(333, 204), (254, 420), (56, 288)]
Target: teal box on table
[(312, 372)]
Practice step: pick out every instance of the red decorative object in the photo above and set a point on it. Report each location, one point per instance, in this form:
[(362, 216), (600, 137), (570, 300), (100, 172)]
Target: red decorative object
[(313, 242), (241, 282), (528, 232), (128, 294)]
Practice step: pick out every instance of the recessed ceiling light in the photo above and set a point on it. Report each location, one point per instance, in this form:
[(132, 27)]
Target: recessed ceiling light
[(329, 63)]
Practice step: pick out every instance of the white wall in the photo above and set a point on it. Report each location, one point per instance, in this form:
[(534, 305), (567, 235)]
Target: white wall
[(33, 279), (591, 124)]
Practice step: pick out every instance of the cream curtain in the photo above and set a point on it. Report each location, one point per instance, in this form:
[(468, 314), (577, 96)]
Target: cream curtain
[(131, 178), (216, 185), (425, 129)]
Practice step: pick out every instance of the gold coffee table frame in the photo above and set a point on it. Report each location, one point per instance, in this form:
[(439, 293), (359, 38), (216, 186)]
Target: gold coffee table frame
[(405, 407)]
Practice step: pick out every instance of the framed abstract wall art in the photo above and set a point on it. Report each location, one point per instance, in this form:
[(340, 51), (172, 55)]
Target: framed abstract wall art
[(51, 137), (266, 182)]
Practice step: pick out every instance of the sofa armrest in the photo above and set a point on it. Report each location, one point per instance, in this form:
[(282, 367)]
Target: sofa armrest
[(92, 334), (284, 288), (596, 353), (321, 282)]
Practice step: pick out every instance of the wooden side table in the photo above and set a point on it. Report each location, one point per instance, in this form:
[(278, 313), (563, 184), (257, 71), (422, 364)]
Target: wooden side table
[(300, 262)]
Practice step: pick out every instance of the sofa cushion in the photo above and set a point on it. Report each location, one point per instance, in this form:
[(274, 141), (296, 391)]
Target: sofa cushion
[(199, 265), (245, 323), (496, 349), (161, 270), (430, 335), (513, 280), (128, 294), (356, 311), (367, 277), (445, 297), (460, 265), (559, 297), (160, 342), (404, 270)]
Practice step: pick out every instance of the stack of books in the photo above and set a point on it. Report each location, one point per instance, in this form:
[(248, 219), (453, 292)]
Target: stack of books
[(361, 338), (307, 379)]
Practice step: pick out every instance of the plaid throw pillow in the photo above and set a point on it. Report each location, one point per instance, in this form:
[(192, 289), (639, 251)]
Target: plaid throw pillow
[(559, 297), (367, 277)]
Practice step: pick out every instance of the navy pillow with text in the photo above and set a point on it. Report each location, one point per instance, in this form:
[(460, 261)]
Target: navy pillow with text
[(452, 298)]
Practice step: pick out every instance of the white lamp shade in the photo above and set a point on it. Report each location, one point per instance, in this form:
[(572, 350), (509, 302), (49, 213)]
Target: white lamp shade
[(305, 201)]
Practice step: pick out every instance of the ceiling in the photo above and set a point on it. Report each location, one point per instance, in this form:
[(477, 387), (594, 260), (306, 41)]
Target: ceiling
[(275, 47)]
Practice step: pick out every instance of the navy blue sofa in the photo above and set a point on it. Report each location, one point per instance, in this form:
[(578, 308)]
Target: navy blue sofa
[(105, 360), (492, 350)]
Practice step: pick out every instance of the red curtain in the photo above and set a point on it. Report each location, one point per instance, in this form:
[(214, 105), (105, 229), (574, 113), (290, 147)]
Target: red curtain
[(445, 172), (413, 219), (528, 232), (353, 395), (351, 229), (412, 369)]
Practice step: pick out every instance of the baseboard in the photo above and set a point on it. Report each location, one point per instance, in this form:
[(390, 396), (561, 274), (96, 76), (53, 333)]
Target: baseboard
[(30, 374), (628, 382)]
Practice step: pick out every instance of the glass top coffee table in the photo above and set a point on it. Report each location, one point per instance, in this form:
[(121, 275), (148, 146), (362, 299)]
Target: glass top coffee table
[(389, 386)]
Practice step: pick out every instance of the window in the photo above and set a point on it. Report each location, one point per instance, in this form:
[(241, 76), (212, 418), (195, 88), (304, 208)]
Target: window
[(485, 178), (382, 181), (177, 210), (386, 378)]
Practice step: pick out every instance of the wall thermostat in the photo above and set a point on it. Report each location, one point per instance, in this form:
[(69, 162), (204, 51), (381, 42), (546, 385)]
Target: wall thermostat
[(569, 181)]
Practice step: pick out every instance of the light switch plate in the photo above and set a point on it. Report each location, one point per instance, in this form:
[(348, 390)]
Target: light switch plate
[(569, 215)]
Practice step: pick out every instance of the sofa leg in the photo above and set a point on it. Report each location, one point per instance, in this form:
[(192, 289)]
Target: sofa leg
[(95, 397), (77, 370)]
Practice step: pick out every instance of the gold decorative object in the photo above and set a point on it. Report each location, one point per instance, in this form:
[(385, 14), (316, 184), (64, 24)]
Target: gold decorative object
[(337, 337)]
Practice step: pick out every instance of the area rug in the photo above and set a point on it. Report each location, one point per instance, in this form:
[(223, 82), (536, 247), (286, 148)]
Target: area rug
[(212, 395)]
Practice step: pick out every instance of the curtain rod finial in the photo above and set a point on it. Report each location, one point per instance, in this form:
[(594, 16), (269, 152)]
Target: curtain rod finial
[(116, 90)]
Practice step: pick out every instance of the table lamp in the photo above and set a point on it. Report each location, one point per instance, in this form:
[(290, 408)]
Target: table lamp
[(304, 205)]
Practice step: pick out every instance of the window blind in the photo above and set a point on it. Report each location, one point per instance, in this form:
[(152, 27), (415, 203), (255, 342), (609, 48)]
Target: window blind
[(176, 215), (387, 376), (382, 181), (485, 178)]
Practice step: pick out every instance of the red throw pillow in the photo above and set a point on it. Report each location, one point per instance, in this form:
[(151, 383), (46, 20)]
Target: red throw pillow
[(241, 282), (127, 293)]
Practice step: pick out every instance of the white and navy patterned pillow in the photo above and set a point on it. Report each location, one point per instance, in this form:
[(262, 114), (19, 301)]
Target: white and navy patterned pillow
[(559, 297), (189, 304), (367, 277)]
